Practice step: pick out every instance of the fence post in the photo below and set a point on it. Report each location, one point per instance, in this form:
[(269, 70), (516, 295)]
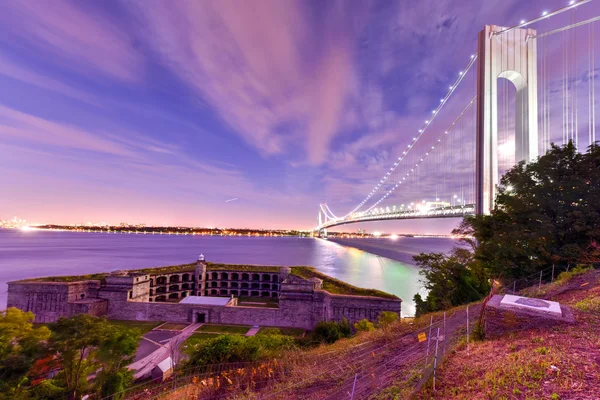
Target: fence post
[(540, 284), (552, 273), (444, 349), (514, 287), (467, 329), (354, 386), (428, 341), (437, 339)]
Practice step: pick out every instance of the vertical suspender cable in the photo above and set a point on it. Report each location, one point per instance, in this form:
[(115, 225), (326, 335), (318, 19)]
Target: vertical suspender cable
[(593, 84), (575, 71), (590, 84)]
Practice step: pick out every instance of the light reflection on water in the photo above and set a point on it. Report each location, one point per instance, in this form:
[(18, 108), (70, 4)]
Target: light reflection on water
[(43, 253)]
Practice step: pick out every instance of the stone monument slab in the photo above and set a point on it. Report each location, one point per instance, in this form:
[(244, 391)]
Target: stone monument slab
[(531, 303), (507, 313)]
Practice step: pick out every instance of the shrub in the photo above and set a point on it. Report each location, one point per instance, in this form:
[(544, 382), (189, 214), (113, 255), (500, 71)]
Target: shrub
[(387, 318), (331, 331), (47, 390), (234, 348), (114, 386), (590, 304), (577, 270), (479, 332), (364, 325), (270, 331)]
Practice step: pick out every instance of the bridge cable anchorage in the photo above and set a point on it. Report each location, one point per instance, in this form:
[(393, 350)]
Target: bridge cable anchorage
[(428, 122), (424, 157)]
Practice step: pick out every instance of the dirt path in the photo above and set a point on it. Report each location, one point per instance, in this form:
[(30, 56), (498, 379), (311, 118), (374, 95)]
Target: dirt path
[(374, 371)]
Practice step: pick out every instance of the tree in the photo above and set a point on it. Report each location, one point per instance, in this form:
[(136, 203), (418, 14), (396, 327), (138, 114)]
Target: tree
[(20, 344), (451, 280), (75, 340), (332, 331), (117, 348), (421, 306), (387, 318), (547, 211), (85, 344)]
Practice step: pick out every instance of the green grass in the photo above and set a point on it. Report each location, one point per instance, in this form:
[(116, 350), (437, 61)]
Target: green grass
[(268, 302), (330, 284), (173, 326), (190, 343), (209, 267), (295, 332), (573, 272), (231, 329), (241, 267), (68, 278), (143, 326), (589, 305), (259, 299), (336, 286)]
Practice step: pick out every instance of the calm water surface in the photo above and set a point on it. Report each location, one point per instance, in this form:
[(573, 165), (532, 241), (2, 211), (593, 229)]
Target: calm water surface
[(27, 254)]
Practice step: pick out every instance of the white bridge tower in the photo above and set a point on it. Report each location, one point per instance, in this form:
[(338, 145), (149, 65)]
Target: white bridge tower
[(510, 54)]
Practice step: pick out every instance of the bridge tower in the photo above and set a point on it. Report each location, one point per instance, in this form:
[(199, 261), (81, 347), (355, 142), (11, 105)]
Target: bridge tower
[(510, 54), (322, 219)]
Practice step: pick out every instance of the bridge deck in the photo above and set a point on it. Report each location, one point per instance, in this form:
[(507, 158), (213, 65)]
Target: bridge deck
[(443, 212)]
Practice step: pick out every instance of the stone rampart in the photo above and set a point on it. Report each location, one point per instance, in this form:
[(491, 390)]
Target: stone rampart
[(302, 303), (50, 300)]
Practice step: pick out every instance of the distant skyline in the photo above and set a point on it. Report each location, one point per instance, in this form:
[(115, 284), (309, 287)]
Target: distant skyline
[(222, 113)]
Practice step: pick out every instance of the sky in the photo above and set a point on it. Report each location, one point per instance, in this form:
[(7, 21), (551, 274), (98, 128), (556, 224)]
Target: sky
[(222, 113)]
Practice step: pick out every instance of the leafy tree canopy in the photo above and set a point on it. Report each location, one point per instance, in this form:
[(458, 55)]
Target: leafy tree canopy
[(546, 212)]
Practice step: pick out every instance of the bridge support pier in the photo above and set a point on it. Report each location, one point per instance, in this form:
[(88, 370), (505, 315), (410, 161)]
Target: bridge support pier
[(510, 55)]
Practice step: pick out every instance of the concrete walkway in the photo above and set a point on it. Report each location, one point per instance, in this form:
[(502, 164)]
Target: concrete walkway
[(253, 331), (143, 368)]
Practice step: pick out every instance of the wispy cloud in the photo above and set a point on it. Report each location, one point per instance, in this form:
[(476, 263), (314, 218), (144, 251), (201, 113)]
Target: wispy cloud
[(72, 36), (248, 60)]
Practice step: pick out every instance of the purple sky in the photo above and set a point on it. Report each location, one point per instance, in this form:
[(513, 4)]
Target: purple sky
[(158, 111)]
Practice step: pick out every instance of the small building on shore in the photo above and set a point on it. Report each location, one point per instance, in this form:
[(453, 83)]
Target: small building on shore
[(202, 292)]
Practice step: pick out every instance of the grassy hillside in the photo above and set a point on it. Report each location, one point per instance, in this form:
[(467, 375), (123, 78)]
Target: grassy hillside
[(558, 363)]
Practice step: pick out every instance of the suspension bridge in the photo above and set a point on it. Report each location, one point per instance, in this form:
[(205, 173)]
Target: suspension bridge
[(526, 86)]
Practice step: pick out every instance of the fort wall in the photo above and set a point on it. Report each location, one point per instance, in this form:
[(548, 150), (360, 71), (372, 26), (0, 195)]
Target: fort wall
[(301, 302), (52, 300)]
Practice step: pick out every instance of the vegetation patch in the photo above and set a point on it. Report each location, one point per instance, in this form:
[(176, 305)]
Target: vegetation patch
[(192, 343), (335, 286), (235, 348), (172, 326), (229, 329), (142, 326), (294, 332), (556, 363), (55, 361), (68, 278), (589, 305)]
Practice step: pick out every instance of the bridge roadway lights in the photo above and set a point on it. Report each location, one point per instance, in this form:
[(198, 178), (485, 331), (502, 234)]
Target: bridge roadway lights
[(446, 212)]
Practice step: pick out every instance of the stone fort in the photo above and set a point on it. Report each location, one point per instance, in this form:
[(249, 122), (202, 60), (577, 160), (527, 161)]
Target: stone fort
[(199, 294)]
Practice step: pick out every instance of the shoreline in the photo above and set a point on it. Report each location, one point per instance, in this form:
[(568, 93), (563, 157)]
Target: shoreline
[(379, 247)]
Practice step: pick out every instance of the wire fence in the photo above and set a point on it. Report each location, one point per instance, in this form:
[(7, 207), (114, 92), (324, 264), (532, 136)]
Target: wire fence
[(404, 363), (354, 372)]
